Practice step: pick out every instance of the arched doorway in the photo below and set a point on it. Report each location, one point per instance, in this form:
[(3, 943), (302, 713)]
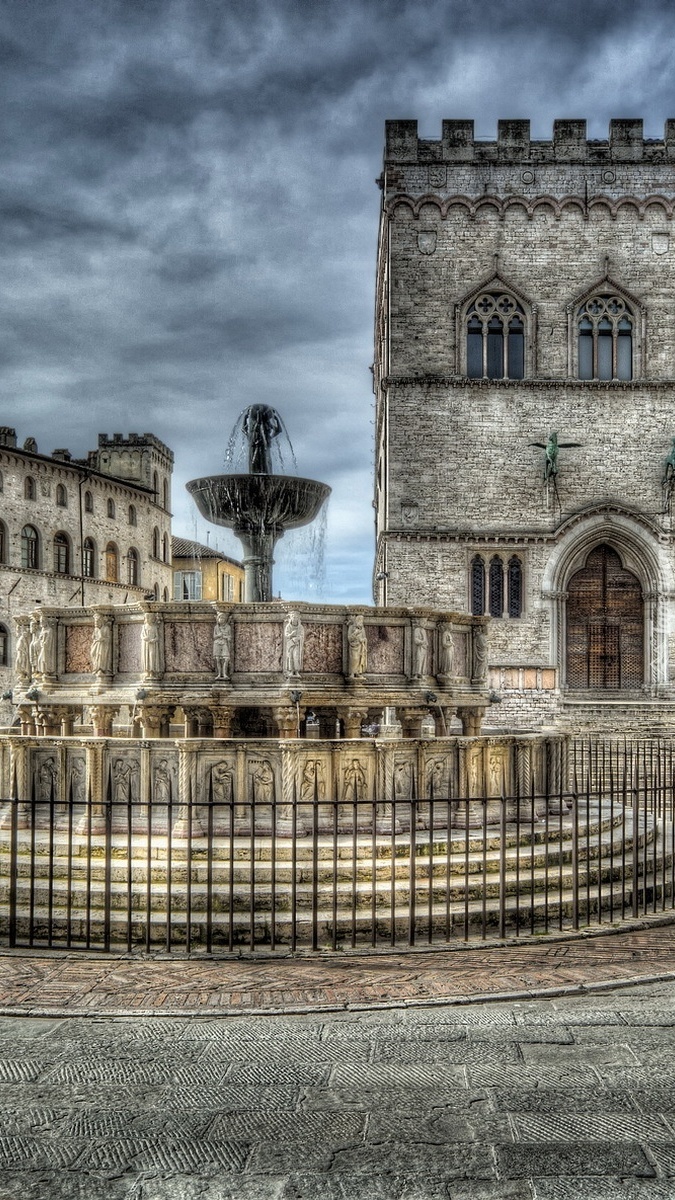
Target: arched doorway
[(605, 625)]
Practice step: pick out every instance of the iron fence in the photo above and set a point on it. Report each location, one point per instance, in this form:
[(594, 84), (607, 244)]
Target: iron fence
[(207, 875)]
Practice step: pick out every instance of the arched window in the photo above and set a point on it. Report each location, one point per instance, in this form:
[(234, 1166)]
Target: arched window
[(155, 486), (165, 548), (155, 542), (165, 493), (605, 338), (156, 591), (4, 545), (496, 587), (61, 554), (495, 338), (132, 514), (2, 482), (29, 487), (515, 587), (165, 595), (88, 502), (111, 508), (111, 563), (61, 496), (132, 567), (30, 548), (477, 586), (4, 646), (89, 558)]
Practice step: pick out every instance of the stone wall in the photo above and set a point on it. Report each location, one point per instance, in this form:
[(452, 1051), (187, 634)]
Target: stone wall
[(457, 473)]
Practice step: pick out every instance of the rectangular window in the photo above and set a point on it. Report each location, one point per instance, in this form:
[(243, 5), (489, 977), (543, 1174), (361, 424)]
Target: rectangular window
[(187, 585), (226, 587)]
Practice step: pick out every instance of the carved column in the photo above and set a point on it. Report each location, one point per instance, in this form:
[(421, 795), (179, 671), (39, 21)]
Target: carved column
[(27, 719), (353, 719), (223, 716), (93, 817), (191, 721), (151, 720), (411, 719), (471, 719), (286, 718), (102, 716), (67, 719), (49, 721)]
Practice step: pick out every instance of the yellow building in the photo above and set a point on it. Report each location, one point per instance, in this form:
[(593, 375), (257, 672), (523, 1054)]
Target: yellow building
[(202, 573)]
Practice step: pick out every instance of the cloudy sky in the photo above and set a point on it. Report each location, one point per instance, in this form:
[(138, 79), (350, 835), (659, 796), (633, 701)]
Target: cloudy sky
[(189, 213)]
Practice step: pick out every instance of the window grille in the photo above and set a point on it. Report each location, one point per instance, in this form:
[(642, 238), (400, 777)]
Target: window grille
[(515, 587), (496, 588), (477, 587)]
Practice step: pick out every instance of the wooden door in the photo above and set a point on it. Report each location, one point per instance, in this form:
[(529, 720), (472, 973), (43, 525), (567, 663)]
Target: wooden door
[(605, 625)]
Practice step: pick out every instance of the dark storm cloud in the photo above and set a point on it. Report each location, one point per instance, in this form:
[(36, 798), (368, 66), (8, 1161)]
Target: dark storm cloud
[(188, 213)]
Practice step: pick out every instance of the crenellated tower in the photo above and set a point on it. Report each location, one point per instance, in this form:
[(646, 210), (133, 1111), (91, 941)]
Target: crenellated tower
[(525, 385)]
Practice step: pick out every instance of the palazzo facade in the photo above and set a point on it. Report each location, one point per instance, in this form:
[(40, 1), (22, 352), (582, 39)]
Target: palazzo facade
[(525, 388)]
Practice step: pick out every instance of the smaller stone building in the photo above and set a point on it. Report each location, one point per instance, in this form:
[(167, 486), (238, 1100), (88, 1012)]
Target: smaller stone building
[(202, 573), (81, 531)]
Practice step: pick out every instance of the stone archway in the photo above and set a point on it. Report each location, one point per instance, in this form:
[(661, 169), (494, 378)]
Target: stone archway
[(605, 625)]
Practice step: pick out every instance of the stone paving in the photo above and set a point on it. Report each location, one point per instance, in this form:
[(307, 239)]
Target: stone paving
[(391, 1085), (43, 983), (572, 1097)]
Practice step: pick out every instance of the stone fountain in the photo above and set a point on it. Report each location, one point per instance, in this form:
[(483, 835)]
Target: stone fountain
[(258, 507)]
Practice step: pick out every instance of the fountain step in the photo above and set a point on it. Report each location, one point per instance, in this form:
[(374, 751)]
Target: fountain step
[(446, 920), (341, 864)]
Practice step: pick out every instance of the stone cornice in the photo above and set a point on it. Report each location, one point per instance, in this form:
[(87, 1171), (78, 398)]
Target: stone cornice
[(427, 379), (529, 204)]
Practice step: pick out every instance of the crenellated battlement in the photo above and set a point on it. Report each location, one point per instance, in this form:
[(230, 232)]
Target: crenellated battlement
[(626, 144)]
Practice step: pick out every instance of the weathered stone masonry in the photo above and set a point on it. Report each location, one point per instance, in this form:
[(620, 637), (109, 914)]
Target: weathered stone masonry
[(550, 225)]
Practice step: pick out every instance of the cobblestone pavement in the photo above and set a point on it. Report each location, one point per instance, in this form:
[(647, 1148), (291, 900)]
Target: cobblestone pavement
[(572, 1097), (119, 984)]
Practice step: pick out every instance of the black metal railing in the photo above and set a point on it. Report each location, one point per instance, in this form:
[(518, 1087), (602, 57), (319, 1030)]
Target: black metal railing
[(197, 873)]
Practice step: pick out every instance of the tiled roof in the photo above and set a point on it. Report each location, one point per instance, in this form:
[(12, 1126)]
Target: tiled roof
[(186, 548)]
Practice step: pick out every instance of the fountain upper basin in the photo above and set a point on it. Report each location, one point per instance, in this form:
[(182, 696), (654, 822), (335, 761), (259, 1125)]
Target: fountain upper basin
[(252, 502)]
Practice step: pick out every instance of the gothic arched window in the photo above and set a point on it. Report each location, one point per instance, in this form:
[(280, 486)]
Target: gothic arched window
[(4, 646), (132, 514), (88, 502), (605, 338), (155, 542), (110, 508), (496, 587), (29, 488), (495, 337), (515, 587), (30, 548), (477, 586), (61, 554), (61, 496), (89, 558), (3, 542)]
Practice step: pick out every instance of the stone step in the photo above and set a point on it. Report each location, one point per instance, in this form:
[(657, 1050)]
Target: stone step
[(362, 892), (447, 921), (341, 866)]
